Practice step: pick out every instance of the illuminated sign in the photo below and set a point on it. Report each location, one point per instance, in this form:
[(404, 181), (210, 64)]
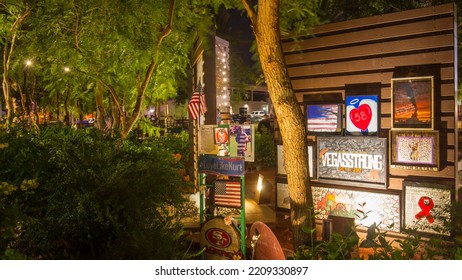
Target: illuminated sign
[(355, 161)]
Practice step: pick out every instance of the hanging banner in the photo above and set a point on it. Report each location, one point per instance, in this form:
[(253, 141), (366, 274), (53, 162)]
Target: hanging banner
[(221, 166)]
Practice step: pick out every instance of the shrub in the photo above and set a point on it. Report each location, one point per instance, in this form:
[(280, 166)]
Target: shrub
[(96, 198)]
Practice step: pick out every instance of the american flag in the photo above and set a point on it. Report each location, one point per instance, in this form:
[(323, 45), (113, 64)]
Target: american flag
[(322, 118), (196, 105), (228, 194)]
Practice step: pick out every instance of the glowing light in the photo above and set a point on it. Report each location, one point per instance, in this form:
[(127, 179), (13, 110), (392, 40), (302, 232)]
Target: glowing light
[(67, 69), (28, 62)]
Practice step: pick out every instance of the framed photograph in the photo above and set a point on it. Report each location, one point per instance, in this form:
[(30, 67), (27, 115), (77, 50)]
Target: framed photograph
[(221, 135), (361, 115), (312, 163), (384, 207), (324, 119), (242, 141), (425, 206), (282, 194), (417, 150), (357, 161), (412, 103)]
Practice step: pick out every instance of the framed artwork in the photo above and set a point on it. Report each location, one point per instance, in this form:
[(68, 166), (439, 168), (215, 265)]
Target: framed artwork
[(384, 207), (425, 206), (282, 194), (242, 141), (361, 114), (221, 135), (412, 103), (281, 170), (324, 119), (417, 150), (361, 161)]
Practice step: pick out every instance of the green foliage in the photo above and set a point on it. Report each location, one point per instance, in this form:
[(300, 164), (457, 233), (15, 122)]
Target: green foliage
[(265, 149), (89, 196)]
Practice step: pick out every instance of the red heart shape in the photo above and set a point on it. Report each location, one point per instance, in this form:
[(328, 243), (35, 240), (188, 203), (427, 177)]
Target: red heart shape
[(361, 117)]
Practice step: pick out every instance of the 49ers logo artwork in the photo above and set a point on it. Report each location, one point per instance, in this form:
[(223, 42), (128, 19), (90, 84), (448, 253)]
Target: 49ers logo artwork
[(218, 237)]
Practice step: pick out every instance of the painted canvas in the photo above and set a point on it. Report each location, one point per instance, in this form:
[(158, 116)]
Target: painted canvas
[(361, 115)]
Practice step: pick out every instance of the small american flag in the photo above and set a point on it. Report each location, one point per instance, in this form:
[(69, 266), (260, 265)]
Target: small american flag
[(228, 194), (197, 106)]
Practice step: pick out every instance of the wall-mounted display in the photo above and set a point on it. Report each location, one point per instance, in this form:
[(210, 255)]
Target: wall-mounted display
[(361, 115), (383, 208), (324, 119), (282, 194), (354, 161), (412, 103), (425, 206), (312, 163), (417, 150)]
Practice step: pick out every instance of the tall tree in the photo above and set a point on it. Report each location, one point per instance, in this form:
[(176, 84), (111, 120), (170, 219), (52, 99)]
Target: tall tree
[(122, 51), (269, 20), (12, 16)]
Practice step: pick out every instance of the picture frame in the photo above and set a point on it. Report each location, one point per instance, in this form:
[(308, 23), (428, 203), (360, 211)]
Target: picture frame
[(412, 102), (348, 160), (282, 194), (382, 207), (221, 135), (362, 115), (425, 206), (415, 150), (324, 119), (312, 162)]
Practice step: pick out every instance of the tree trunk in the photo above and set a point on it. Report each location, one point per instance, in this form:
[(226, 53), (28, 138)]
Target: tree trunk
[(99, 105), (288, 113)]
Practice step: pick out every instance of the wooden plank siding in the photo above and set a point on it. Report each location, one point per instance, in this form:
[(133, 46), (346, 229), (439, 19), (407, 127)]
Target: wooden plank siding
[(370, 50)]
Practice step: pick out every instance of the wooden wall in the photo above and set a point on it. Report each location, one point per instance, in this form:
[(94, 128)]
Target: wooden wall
[(375, 50)]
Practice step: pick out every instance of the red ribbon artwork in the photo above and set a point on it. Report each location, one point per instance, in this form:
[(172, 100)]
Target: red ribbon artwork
[(426, 204)]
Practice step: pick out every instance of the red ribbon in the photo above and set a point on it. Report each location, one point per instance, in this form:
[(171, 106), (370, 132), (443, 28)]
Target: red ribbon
[(426, 204)]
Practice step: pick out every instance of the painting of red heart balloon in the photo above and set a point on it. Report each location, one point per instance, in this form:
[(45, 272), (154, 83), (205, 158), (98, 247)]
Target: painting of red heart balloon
[(361, 115)]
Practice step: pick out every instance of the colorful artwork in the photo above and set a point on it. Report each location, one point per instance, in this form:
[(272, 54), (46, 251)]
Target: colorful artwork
[(383, 208), (412, 101), (424, 206), (415, 150), (221, 135), (324, 118), (361, 115), (360, 160), (242, 142)]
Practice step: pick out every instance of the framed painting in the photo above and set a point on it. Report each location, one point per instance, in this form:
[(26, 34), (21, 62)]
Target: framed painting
[(383, 208), (324, 119), (358, 161), (426, 206), (282, 194), (221, 135), (412, 103), (312, 163), (417, 150), (361, 115)]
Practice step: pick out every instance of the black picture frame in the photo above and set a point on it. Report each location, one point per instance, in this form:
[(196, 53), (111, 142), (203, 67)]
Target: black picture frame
[(425, 206)]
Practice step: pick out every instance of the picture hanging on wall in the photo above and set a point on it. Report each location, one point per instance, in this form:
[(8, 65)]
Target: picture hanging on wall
[(416, 150), (382, 208), (426, 206), (324, 119), (312, 162), (361, 115), (282, 194), (412, 103)]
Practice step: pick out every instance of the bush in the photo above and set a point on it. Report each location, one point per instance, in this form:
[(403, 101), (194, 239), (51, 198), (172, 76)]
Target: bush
[(96, 197)]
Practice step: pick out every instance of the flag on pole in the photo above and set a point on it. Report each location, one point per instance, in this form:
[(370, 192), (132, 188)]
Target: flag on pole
[(196, 105), (228, 193)]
